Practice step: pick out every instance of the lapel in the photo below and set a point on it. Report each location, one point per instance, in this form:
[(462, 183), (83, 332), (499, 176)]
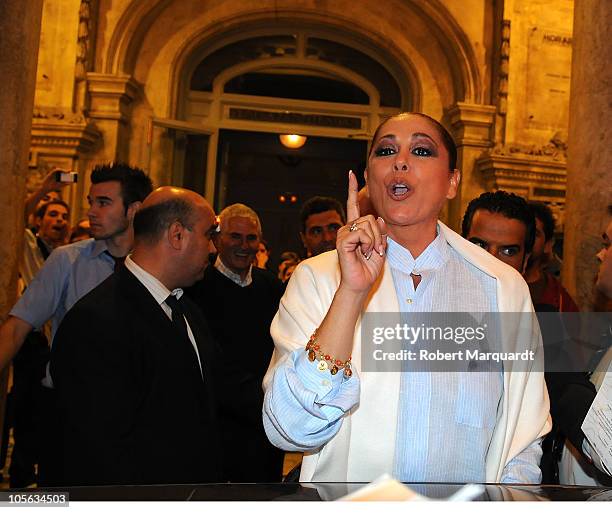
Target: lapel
[(207, 349), (354, 454), (141, 306), (204, 340), (144, 314)]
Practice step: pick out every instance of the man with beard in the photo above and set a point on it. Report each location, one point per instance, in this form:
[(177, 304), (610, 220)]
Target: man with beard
[(321, 218), (239, 302)]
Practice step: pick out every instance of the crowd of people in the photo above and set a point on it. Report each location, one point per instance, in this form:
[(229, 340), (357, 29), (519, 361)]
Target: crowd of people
[(153, 343)]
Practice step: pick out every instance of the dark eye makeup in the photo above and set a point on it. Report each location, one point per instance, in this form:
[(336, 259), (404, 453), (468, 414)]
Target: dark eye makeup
[(384, 151)]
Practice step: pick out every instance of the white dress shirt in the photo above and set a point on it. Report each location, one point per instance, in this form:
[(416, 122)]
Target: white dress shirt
[(228, 273)]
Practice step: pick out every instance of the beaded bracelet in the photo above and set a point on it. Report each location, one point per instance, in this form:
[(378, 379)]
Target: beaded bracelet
[(326, 360)]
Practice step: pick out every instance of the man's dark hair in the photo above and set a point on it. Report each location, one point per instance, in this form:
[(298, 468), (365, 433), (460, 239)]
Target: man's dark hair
[(507, 204), (447, 138), (78, 231), (42, 210), (320, 204), (543, 212), (150, 223), (135, 184)]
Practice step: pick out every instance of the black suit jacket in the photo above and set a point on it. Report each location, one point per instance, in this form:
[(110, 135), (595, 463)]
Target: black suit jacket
[(132, 406)]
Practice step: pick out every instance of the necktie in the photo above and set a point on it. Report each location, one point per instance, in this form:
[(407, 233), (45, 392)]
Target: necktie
[(184, 346), (178, 317)]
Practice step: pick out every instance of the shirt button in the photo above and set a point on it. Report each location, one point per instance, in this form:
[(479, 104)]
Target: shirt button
[(325, 383), (409, 301)]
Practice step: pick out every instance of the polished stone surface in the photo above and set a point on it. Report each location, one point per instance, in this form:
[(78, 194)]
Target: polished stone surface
[(322, 491)]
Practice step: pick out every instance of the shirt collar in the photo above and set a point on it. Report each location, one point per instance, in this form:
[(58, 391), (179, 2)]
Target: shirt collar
[(434, 256), (223, 269), (157, 289), (98, 248)]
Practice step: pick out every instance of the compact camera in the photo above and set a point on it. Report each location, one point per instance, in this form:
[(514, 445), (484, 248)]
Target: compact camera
[(66, 177)]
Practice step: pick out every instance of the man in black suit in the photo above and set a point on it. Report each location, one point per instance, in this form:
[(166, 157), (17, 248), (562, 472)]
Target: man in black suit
[(132, 361)]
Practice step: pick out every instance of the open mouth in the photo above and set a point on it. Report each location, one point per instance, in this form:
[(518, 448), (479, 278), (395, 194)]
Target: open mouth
[(399, 190)]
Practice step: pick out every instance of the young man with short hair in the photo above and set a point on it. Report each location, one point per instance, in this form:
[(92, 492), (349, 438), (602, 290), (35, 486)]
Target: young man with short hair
[(321, 217), (71, 271)]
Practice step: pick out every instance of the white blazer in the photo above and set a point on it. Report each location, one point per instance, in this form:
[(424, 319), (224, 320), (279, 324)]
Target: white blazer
[(364, 447)]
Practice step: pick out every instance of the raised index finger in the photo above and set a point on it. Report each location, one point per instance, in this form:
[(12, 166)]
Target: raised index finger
[(352, 203)]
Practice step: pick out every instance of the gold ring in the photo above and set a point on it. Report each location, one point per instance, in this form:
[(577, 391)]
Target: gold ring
[(353, 227)]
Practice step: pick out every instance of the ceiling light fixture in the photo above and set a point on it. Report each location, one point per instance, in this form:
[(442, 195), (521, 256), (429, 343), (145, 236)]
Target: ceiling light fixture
[(292, 141)]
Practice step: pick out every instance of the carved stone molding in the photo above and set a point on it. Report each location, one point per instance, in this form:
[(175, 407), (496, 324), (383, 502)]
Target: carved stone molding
[(533, 178), (83, 58), (63, 116), (111, 96), (471, 124), (504, 66), (61, 139), (555, 150)]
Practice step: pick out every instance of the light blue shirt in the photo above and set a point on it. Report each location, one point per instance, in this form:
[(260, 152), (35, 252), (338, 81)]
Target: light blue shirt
[(445, 419), (67, 275)]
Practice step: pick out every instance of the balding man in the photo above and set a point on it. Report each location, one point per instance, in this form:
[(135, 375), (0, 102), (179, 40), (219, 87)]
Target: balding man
[(132, 361)]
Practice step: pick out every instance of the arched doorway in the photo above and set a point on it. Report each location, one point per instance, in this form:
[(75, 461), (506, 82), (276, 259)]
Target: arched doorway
[(423, 48), (241, 94)]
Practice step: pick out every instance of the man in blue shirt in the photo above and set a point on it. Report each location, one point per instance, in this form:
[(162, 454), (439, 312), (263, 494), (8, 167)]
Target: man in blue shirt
[(70, 272)]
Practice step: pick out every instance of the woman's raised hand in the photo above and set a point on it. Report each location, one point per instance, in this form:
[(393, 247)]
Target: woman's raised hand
[(361, 244)]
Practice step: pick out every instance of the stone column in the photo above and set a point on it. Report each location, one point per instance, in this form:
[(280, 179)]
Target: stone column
[(19, 37), (589, 176), (111, 99), (471, 126)]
